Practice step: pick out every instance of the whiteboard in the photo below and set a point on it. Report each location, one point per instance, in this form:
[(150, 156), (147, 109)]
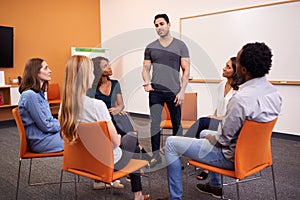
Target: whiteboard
[(222, 34)]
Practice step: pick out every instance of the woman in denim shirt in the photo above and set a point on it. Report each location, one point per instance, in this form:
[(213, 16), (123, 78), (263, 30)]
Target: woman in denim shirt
[(42, 129)]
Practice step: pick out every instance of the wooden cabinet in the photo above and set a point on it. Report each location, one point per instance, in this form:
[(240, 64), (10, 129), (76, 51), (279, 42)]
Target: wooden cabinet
[(4, 96)]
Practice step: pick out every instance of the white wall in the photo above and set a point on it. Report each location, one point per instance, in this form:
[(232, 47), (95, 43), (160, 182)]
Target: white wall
[(127, 27), (122, 16)]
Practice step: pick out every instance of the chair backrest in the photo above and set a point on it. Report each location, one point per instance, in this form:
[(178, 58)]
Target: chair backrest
[(21, 130), (189, 108), (53, 92), (92, 152), (253, 148)]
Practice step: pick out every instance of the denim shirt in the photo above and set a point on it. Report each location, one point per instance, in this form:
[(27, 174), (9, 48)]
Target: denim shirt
[(37, 118)]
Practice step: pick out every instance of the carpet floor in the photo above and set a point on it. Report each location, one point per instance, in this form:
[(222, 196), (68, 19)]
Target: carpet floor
[(286, 159)]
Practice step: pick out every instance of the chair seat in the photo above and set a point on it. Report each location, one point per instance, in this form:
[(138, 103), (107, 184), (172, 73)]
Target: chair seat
[(30, 154), (226, 172), (55, 101), (186, 124), (167, 124), (133, 165)]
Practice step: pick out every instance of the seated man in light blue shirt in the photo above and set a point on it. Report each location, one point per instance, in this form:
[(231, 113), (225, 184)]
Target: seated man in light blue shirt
[(256, 100)]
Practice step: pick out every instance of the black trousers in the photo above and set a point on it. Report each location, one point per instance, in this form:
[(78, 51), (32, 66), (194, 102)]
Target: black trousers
[(129, 151), (202, 124), (156, 103)]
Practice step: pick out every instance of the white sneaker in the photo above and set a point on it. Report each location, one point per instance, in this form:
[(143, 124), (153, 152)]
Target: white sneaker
[(100, 185), (118, 184), (128, 179)]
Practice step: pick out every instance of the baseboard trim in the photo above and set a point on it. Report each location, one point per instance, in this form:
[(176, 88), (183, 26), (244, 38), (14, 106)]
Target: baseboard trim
[(144, 116), (7, 123), (286, 136), (280, 135)]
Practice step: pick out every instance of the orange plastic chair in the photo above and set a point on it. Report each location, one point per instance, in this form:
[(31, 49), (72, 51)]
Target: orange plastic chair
[(97, 160), (188, 114), (252, 154), (25, 152), (53, 97), (53, 94)]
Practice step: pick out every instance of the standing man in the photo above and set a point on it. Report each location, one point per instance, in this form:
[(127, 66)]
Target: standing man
[(166, 54), (256, 100)]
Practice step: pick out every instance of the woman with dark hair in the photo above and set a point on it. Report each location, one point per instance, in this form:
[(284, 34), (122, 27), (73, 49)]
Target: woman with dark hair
[(109, 91), (42, 129), (225, 91)]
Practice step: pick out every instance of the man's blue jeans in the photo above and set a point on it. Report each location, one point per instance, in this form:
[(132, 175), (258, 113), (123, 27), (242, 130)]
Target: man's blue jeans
[(197, 149), (156, 103)]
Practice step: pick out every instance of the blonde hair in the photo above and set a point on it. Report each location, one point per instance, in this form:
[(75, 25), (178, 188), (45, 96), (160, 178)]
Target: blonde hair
[(76, 83)]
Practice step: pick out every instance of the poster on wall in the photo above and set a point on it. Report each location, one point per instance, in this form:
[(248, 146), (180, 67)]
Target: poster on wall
[(90, 52)]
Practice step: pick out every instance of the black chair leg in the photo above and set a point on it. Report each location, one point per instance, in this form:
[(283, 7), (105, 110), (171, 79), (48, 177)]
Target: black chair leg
[(29, 175), (60, 183), (17, 192), (274, 185), (75, 186), (237, 189)]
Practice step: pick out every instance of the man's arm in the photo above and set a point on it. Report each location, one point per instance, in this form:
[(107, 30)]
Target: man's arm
[(146, 75), (233, 121), (185, 66)]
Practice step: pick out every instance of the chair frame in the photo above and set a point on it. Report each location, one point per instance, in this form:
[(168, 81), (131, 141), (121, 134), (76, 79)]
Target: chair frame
[(242, 172), (53, 94), (25, 152), (188, 115), (54, 98), (98, 157)]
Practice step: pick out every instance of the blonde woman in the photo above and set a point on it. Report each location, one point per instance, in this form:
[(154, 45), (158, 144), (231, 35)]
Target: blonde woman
[(77, 107)]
